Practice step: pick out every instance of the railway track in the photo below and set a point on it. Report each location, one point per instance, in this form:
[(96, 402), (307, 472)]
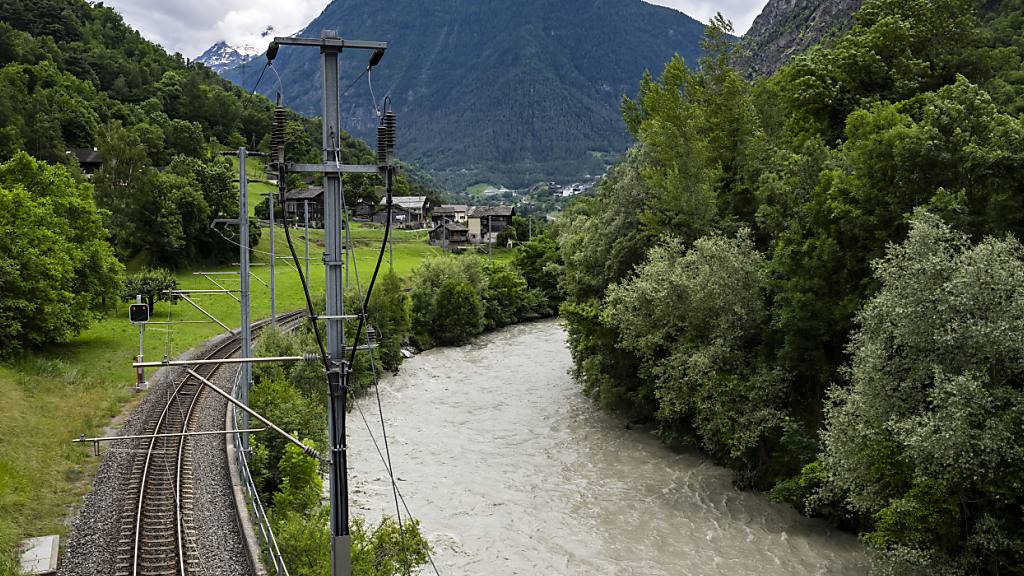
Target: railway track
[(156, 534)]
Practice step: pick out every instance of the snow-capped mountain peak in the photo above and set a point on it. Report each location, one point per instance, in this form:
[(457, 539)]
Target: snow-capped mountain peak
[(223, 56)]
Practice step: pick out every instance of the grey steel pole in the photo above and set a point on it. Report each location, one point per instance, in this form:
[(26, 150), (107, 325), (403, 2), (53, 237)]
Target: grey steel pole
[(273, 260), (306, 218), (490, 238), (334, 260), (243, 259), (141, 378)]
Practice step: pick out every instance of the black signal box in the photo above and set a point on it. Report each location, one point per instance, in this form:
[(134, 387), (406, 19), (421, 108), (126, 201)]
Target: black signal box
[(138, 313)]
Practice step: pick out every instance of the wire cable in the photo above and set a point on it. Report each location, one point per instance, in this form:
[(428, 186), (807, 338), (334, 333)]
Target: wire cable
[(258, 80), (373, 97), (352, 83), (376, 388)]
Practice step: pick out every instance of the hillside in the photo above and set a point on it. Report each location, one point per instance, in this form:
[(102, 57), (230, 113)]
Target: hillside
[(786, 28), (490, 91)]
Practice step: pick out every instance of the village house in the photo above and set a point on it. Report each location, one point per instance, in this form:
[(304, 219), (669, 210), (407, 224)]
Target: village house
[(451, 213), (407, 211), (89, 160), (450, 236), (295, 202), (401, 217), (363, 211), (486, 222)]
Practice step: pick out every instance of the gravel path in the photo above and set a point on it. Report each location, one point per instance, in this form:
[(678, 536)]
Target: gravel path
[(91, 545)]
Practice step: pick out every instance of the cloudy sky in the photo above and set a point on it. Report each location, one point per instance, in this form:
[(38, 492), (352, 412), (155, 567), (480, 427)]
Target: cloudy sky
[(191, 26)]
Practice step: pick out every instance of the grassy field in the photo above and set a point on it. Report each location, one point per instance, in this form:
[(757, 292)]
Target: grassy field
[(49, 398)]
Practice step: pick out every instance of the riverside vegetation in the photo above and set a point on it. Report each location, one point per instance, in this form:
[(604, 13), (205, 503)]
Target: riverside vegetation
[(815, 278)]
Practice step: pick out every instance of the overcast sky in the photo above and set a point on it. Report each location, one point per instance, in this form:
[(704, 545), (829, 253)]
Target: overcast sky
[(192, 26)]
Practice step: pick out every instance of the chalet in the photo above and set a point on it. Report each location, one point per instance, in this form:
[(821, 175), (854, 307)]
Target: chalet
[(414, 208), (89, 159), (486, 222), (450, 235), (295, 202), (363, 211), (401, 217), (451, 213)]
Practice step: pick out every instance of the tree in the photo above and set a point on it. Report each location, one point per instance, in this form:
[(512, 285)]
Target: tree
[(504, 297), (151, 283), (390, 315), (541, 265), (926, 440), (696, 319), (119, 185), (58, 272), (458, 313)]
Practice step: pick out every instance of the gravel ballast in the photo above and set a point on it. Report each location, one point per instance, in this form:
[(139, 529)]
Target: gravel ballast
[(91, 545)]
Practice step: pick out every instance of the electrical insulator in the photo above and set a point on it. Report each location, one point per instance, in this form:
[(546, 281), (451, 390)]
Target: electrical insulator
[(382, 146), (277, 133), (389, 129)]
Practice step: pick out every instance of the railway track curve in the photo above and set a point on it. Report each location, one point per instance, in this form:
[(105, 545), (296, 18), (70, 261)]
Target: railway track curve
[(156, 534)]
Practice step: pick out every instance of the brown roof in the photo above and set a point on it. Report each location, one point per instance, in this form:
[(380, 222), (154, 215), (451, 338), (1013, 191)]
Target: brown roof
[(485, 211), (310, 193), (451, 208)]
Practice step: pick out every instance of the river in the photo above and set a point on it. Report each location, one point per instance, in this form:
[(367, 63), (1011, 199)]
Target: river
[(512, 471)]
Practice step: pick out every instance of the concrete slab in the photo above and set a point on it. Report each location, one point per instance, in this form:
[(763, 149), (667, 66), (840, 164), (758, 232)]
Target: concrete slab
[(39, 555)]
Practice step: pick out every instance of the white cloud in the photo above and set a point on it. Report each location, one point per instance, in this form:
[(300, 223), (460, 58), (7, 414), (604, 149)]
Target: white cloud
[(740, 12), (191, 26)]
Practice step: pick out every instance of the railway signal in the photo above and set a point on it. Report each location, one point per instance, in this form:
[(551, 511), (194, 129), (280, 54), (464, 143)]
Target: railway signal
[(138, 314)]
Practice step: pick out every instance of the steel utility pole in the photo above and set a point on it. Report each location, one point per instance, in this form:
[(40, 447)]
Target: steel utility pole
[(243, 259), (306, 218), (273, 260), (335, 257)]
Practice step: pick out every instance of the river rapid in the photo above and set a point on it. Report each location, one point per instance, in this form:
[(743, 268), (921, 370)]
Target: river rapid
[(511, 470)]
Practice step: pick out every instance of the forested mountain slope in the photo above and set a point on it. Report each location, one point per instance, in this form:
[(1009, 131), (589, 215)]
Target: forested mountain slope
[(488, 90)]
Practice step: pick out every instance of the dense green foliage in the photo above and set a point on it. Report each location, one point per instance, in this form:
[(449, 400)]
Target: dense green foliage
[(390, 316), (714, 284), (57, 272), (150, 283), (926, 440), (457, 297), (492, 91)]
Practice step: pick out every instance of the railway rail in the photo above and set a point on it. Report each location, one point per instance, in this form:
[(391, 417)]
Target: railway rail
[(156, 534)]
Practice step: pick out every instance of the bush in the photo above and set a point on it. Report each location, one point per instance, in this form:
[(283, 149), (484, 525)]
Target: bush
[(504, 296), (151, 283), (282, 404), (389, 315), (458, 313), (381, 550), (428, 320)]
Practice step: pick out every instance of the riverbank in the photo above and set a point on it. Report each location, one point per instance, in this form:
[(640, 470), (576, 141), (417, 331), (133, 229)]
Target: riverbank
[(511, 470)]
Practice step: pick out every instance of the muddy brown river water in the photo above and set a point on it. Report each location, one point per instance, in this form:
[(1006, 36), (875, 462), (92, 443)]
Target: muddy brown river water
[(512, 471)]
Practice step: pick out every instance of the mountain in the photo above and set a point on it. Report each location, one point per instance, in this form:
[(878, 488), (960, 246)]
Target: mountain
[(222, 57), (786, 28), (489, 90)]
